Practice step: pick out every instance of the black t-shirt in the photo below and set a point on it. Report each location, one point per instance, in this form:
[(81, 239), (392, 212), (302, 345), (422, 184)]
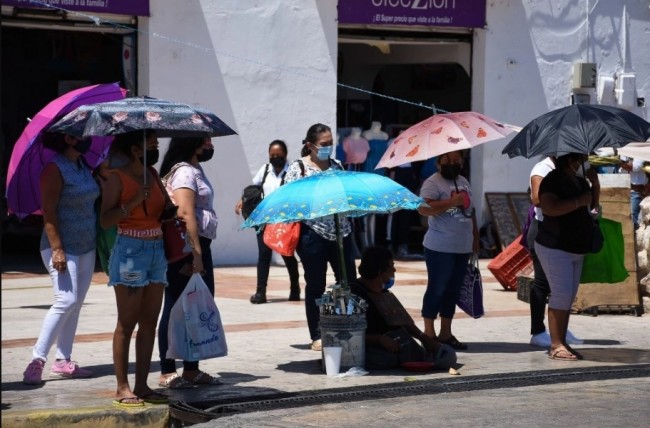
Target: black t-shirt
[(571, 232), (376, 323)]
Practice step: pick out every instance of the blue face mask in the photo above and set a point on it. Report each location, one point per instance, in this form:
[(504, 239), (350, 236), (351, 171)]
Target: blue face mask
[(388, 284), (324, 152)]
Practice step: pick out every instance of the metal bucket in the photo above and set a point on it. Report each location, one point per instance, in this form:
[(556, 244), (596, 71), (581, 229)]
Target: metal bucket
[(348, 332)]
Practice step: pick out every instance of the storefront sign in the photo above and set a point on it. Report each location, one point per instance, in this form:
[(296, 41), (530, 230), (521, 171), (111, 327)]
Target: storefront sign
[(447, 13), (118, 7)]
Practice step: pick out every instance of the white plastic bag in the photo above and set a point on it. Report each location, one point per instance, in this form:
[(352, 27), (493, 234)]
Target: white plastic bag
[(195, 329)]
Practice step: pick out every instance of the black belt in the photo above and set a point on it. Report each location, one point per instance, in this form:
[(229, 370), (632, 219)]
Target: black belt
[(638, 188)]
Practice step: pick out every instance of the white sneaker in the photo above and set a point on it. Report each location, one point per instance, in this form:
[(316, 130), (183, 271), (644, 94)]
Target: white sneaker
[(572, 340), (543, 340)]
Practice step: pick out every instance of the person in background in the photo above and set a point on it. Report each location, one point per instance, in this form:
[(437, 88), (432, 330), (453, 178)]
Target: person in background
[(190, 190), (540, 288), (68, 194), (563, 239), (638, 183), (391, 332), (270, 177), (137, 264), (451, 238), (317, 245)]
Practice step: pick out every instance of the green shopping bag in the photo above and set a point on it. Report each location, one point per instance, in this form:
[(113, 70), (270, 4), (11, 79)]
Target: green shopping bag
[(607, 265)]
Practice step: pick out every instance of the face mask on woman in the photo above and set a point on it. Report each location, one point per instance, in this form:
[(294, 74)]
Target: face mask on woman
[(278, 162), (152, 157), (206, 155), (324, 152), (450, 171), (388, 284), (83, 146)]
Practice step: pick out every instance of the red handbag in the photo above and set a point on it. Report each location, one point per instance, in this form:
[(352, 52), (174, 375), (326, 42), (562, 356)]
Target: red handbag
[(176, 246), (282, 237)]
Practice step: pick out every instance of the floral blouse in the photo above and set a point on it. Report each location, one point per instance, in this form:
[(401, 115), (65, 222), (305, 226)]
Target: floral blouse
[(324, 226)]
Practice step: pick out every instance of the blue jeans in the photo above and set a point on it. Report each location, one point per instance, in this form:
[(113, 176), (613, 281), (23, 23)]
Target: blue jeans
[(137, 262), (315, 252), (446, 272), (177, 283)]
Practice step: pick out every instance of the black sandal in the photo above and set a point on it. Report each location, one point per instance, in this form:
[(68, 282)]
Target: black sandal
[(455, 343)]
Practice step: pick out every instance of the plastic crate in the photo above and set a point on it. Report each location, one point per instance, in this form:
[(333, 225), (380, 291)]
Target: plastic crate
[(525, 280), (508, 263)]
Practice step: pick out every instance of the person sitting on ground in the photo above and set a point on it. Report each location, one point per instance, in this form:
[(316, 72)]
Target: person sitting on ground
[(391, 332)]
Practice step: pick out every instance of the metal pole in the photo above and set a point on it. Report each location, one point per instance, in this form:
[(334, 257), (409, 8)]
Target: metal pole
[(339, 242)]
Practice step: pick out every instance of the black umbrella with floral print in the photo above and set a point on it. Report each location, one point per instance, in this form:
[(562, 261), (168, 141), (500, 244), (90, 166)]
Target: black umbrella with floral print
[(167, 118)]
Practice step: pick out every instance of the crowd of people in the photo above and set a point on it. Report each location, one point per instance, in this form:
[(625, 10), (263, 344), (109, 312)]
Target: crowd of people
[(134, 196)]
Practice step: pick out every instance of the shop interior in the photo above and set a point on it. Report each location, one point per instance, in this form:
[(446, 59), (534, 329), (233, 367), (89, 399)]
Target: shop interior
[(41, 60), (419, 72)]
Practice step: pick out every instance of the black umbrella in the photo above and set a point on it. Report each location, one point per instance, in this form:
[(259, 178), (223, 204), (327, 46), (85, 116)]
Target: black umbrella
[(167, 118), (579, 128)]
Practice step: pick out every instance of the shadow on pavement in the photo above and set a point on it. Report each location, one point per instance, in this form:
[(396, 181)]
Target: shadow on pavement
[(616, 355)]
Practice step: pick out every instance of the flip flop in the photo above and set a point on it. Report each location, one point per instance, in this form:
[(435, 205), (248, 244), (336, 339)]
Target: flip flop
[(561, 353), (121, 402), (155, 398), (202, 378), (176, 382)]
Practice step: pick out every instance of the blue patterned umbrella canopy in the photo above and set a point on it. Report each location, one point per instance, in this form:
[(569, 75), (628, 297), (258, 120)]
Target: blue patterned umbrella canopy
[(350, 194), (167, 118)]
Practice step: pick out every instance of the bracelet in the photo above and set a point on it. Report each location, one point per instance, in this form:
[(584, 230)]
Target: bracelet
[(125, 213)]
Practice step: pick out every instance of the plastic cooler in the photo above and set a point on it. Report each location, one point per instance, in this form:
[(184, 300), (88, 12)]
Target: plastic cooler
[(508, 263)]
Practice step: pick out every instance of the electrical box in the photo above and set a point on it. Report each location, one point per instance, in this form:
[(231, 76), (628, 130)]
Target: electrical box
[(606, 90), (625, 90), (584, 75)]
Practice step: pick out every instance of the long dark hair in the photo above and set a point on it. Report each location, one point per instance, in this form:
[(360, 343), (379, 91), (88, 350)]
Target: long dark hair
[(314, 131), (181, 149), (123, 142), (562, 161), (374, 261), (54, 141)]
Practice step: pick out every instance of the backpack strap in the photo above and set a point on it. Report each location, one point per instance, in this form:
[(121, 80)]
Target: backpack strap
[(282, 177), (266, 172), (302, 167)]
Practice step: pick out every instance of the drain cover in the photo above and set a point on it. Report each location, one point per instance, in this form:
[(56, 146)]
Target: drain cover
[(204, 411)]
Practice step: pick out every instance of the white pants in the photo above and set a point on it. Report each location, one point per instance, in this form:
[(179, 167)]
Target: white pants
[(563, 272), (70, 288)]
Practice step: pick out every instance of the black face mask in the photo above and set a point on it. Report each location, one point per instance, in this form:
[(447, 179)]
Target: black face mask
[(450, 172), (278, 162), (152, 157), (83, 146), (206, 155)]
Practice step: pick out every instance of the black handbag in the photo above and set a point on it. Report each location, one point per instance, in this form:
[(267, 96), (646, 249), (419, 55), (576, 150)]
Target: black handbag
[(597, 238)]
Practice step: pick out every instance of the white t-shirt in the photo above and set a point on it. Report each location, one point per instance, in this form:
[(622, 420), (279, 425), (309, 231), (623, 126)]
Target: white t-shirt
[(540, 169), (272, 180)]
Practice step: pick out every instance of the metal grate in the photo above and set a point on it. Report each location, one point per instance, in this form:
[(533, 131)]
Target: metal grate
[(204, 411)]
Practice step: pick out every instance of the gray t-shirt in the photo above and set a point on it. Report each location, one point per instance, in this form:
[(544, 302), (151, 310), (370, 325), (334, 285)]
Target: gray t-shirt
[(450, 231)]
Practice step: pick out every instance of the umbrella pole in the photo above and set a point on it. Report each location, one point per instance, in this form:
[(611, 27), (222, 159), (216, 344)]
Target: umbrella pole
[(144, 158), (339, 242)]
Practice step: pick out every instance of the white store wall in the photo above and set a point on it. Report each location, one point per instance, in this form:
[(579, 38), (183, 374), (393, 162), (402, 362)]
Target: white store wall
[(522, 67), (227, 75)]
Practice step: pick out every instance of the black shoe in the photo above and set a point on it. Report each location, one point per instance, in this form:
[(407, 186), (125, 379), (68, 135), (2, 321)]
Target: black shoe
[(455, 343), (294, 297), (258, 298)]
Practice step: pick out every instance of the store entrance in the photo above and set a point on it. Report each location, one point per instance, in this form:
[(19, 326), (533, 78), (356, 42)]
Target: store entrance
[(418, 74), (38, 65)]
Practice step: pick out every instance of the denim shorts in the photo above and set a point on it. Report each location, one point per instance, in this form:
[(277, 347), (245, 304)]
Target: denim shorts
[(136, 262)]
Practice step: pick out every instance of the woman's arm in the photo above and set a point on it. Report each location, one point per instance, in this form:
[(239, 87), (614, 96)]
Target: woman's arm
[(436, 207), (554, 206), (51, 187), (535, 181), (186, 199)]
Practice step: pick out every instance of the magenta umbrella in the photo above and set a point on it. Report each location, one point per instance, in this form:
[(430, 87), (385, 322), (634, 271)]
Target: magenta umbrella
[(29, 156)]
